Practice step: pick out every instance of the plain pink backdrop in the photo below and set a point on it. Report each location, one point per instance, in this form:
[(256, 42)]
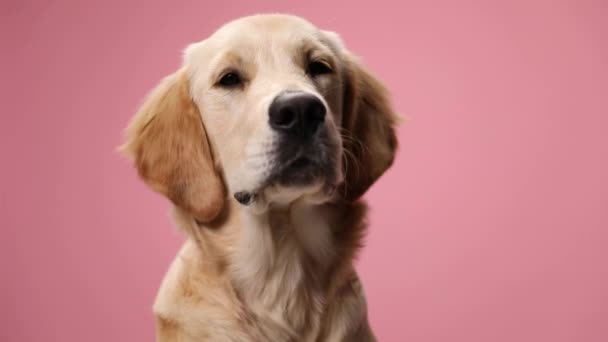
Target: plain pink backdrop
[(492, 225)]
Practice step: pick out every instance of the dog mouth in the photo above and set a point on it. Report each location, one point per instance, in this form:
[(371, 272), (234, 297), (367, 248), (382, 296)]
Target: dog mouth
[(300, 163), (300, 167), (300, 171)]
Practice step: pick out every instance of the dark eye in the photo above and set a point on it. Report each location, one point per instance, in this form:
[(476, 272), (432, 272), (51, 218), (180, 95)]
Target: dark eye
[(230, 80), (318, 68)]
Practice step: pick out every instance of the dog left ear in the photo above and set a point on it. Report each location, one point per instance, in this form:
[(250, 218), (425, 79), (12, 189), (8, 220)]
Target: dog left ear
[(368, 124), (168, 143)]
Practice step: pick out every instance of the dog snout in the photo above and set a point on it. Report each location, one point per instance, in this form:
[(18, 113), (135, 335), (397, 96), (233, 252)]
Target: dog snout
[(297, 114)]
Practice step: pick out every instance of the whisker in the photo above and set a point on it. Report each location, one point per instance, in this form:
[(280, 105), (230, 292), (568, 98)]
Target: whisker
[(354, 162)]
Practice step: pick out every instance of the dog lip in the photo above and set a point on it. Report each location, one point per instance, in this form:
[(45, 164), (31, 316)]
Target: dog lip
[(300, 163), (243, 197)]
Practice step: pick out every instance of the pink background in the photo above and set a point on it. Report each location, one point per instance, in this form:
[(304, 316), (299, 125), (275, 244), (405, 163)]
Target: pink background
[(492, 225)]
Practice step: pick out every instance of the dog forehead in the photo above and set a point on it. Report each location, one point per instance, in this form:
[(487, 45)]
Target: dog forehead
[(267, 40), (262, 31)]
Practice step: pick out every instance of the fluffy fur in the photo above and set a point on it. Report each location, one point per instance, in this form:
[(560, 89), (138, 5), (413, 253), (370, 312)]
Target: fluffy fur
[(280, 269)]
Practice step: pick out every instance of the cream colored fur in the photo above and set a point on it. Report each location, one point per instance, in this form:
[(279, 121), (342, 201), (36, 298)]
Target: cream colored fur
[(280, 269)]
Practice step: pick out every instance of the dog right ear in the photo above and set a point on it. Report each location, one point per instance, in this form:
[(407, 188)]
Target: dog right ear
[(369, 124), (167, 141)]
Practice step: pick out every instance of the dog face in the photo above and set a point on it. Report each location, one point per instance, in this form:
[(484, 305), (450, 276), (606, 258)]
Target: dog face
[(270, 92), (270, 109)]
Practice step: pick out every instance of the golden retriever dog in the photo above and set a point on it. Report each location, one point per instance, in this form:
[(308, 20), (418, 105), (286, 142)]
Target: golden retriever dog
[(264, 141)]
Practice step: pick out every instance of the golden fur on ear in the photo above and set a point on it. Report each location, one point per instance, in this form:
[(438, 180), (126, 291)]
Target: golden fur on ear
[(368, 124), (168, 143)]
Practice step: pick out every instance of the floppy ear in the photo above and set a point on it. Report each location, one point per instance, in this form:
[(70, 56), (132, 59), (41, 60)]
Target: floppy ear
[(368, 124), (167, 141)]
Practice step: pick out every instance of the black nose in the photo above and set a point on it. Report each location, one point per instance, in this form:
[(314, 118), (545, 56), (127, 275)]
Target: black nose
[(297, 113)]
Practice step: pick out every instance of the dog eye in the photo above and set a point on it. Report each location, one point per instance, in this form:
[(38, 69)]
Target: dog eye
[(318, 68), (231, 79)]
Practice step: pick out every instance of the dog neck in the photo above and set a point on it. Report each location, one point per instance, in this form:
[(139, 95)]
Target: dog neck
[(281, 261), (284, 259)]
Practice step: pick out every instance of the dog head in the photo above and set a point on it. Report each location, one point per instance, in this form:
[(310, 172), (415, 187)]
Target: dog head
[(270, 109)]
